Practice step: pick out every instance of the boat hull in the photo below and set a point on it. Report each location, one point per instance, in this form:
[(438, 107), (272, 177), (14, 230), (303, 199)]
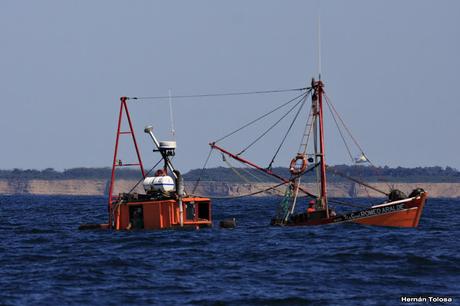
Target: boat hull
[(402, 213), (409, 216)]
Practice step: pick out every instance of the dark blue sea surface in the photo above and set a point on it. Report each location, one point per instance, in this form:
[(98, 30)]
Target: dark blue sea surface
[(46, 260)]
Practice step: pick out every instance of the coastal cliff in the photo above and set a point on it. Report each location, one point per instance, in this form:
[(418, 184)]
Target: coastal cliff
[(100, 187)]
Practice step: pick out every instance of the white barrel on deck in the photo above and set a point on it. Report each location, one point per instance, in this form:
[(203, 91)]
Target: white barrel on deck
[(159, 183)]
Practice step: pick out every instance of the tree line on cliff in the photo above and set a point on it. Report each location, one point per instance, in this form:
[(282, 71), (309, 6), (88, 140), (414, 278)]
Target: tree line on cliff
[(367, 173)]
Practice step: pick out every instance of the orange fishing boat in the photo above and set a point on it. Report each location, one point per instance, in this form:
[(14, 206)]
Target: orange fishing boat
[(398, 210), (165, 203)]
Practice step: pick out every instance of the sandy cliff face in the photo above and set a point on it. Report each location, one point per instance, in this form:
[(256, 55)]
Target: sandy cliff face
[(340, 190), (233, 189), (100, 187), (53, 187), (5, 187), (67, 187)]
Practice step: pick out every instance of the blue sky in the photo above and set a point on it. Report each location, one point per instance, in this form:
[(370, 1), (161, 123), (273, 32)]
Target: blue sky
[(390, 67)]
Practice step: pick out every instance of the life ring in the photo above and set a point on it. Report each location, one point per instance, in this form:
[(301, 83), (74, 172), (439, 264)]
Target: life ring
[(294, 167)]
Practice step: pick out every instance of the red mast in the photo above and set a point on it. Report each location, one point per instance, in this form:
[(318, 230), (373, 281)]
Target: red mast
[(118, 163), (318, 87)]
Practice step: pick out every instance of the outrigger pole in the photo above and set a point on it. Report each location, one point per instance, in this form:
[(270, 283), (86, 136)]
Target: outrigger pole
[(267, 171)]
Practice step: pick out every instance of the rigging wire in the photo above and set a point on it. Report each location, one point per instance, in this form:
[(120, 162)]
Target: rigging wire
[(250, 171), (345, 203), (261, 173), (367, 192), (352, 137), (275, 124), (171, 116), (304, 99), (224, 159), (138, 182), (219, 94), (202, 171), (340, 131), (356, 181), (248, 194), (346, 127), (259, 118), (115, 207), (267, 189)]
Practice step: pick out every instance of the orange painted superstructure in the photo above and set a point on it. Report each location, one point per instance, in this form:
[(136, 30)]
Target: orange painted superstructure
[(162, 214)]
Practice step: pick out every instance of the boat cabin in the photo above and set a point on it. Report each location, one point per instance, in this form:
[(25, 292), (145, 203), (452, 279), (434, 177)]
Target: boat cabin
[(163, 214)]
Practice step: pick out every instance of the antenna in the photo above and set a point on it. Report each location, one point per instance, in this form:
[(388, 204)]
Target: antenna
[(319, 44), (171, 117)]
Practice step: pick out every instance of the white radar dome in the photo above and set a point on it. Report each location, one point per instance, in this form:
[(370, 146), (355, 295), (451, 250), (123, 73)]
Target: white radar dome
[(168, 145)]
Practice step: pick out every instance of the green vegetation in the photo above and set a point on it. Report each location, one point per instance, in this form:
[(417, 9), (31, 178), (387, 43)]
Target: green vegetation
[(68, 174), (365, 173), (369, 174)]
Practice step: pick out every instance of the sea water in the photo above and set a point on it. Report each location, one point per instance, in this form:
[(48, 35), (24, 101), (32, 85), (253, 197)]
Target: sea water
[(46, 260)]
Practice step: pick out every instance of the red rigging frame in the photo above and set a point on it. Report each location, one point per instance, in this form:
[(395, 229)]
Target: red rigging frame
[(118, 163)]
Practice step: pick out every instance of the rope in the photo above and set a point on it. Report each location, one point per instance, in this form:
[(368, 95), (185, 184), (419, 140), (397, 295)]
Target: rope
[(138, 182), (259, 118), (356, 181), (288, 130), (367, 192), (345, 203), (264, 190), (345, 126), (218, 94), (271, 127), (249, 171), (340, 131), (351, 135), (202, 171), (234, 169), (247, 195), (171, 116)]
